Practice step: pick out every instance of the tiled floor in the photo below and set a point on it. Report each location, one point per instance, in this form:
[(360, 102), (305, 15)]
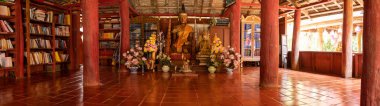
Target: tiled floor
[(155, 89)]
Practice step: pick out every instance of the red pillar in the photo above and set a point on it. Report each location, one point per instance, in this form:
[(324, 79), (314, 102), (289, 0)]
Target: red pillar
[(235, 25), (347, 39), (76, 40), (125, 23), (90, 42), (269, 50), (371, 61), (295, 45)]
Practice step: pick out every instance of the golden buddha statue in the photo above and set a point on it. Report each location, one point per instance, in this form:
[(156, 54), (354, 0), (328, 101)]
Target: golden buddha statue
[(204, 44), (182, 32)]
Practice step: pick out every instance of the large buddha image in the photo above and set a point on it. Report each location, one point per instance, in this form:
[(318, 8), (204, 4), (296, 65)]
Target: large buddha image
[(182, 33)]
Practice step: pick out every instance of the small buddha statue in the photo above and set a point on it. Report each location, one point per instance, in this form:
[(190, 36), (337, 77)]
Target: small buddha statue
[(204, 44)]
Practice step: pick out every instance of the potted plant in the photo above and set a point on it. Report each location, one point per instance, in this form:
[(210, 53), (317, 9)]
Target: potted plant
[(212, 64), (216, 51), (165, 62), (231, 59), (150, 47), (134, 59)]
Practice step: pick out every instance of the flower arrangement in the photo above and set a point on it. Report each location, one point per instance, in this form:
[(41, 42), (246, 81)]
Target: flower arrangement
[(150, 45), (214, 61), (230, 58), (216, 51), (134, 57), (217, 46), (164, 59)]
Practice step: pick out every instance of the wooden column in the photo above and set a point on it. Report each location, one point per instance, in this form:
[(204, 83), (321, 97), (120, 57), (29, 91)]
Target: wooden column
[(90, 42), (283, 25), (347, 39), (235, 25), (295, 42), (125, 23), (269, 52), (370, 87), (77, 40), (360, 40), (19, 40), (320, 35)]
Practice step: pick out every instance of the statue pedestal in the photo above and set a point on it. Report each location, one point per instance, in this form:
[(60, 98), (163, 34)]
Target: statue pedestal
[(179, 57), (179, 61), (203, 58)]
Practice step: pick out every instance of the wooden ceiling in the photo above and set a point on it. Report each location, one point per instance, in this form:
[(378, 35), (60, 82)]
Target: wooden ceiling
[(310, 8)]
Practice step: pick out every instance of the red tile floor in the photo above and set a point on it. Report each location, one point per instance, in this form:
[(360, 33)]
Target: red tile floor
[(158, 89)]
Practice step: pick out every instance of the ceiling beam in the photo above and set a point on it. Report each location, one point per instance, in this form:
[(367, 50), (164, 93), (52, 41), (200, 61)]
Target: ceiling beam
[(210, 5), (317, 3), (258, 5), (314, 9), (360, 2), (337, 4), (198, 8), (195, 5), (203, 1), (170, 14), (325, 7)]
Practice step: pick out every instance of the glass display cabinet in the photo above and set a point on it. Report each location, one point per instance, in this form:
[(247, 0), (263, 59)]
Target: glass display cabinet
[(250, 38), (135, 32)]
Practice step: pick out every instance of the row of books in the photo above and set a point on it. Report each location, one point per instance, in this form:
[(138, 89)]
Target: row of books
[(111, 26), (6, 44), (109, 20), (110, 35), (5, 26), (5, 62), (63, 19), (5, 10), (61, 57), (40, 58), (60, 44), (41, 15), (39, 29), (40, 43), (62, 31), (109, 44)]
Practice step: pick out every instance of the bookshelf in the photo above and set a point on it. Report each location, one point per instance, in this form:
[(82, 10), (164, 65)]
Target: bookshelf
[(10, 39), (48, 36), (109, 39), (141, 28)]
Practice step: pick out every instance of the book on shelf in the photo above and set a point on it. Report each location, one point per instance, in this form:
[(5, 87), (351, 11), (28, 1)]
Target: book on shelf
[(115, 20), (110, 35), (63, 19), (109, 44), (61, 44), (5, 11), (5, 26), (116, 26), (40, 58), (62, 31), (40, 29), (41, 15), (5, 62), (6, 44), (61, 57), (40, 43), (107, 26)]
